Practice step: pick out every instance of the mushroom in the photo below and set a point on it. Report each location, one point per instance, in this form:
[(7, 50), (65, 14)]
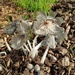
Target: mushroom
[(51, 30), (22, 35), (23, 26), (48, 26)]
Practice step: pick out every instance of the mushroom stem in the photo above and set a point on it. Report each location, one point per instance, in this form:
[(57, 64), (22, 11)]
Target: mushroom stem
[(29, 44), (26, 47), (34, 51), (35, 41), (39, 45), (44, 55)]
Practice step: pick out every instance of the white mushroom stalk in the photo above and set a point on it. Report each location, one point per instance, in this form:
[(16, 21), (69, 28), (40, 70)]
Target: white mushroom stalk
[(29, 44), (34, 48), (26, 47), (35, 40), (49, 41), (44, 55)]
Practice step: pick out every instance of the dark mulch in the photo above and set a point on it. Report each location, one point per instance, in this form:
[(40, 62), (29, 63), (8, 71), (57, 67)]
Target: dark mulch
[(16, 61)]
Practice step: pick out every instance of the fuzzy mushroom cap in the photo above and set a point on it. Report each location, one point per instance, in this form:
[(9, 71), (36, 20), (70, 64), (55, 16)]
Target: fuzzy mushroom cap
[(47, 24), (23, 26), (10, 28), (17, 41), (47, 27)]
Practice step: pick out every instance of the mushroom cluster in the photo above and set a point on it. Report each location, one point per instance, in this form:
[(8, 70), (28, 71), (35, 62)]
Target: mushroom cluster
[(47, 26)]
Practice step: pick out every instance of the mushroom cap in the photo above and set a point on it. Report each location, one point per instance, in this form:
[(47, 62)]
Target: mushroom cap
[(49, 41), (23, 26), (17, 41), (47, 24), (46, 28), (10, 28)]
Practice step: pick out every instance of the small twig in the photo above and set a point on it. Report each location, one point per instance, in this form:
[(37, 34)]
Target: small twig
[(3, 53), (4, 67), (1, 68), (5, 39), (68, 29)]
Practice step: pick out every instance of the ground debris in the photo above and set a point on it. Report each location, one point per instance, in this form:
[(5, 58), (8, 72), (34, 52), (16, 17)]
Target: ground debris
[(59, 61)]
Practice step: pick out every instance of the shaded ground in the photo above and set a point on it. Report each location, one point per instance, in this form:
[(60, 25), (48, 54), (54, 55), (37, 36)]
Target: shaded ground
[(15, 62)]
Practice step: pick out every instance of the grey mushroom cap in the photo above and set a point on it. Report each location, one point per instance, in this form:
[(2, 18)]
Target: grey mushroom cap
[(47, 24), (10, 29), (17, 41), (49, 41), (23, 26), (44, 29)]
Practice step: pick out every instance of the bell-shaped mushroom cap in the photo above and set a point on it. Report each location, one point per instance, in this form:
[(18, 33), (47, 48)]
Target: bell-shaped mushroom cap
[(49, 41), (44, 28), (23, 27), (39, 28), (41, 17), (17, 41), (56, 29), (47, 27), (14, 23), (9, 29)]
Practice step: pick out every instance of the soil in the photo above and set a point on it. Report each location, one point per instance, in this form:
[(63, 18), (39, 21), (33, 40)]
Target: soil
[(16, 61)]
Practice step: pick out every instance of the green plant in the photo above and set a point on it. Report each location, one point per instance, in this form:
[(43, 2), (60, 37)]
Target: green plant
[(35, 5)]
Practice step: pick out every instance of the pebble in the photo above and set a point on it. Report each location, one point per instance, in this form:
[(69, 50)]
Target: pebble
[(30, 66), (37, 68)]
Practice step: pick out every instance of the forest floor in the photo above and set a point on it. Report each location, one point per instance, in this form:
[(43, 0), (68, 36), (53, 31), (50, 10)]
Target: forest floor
[(16, 62)]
